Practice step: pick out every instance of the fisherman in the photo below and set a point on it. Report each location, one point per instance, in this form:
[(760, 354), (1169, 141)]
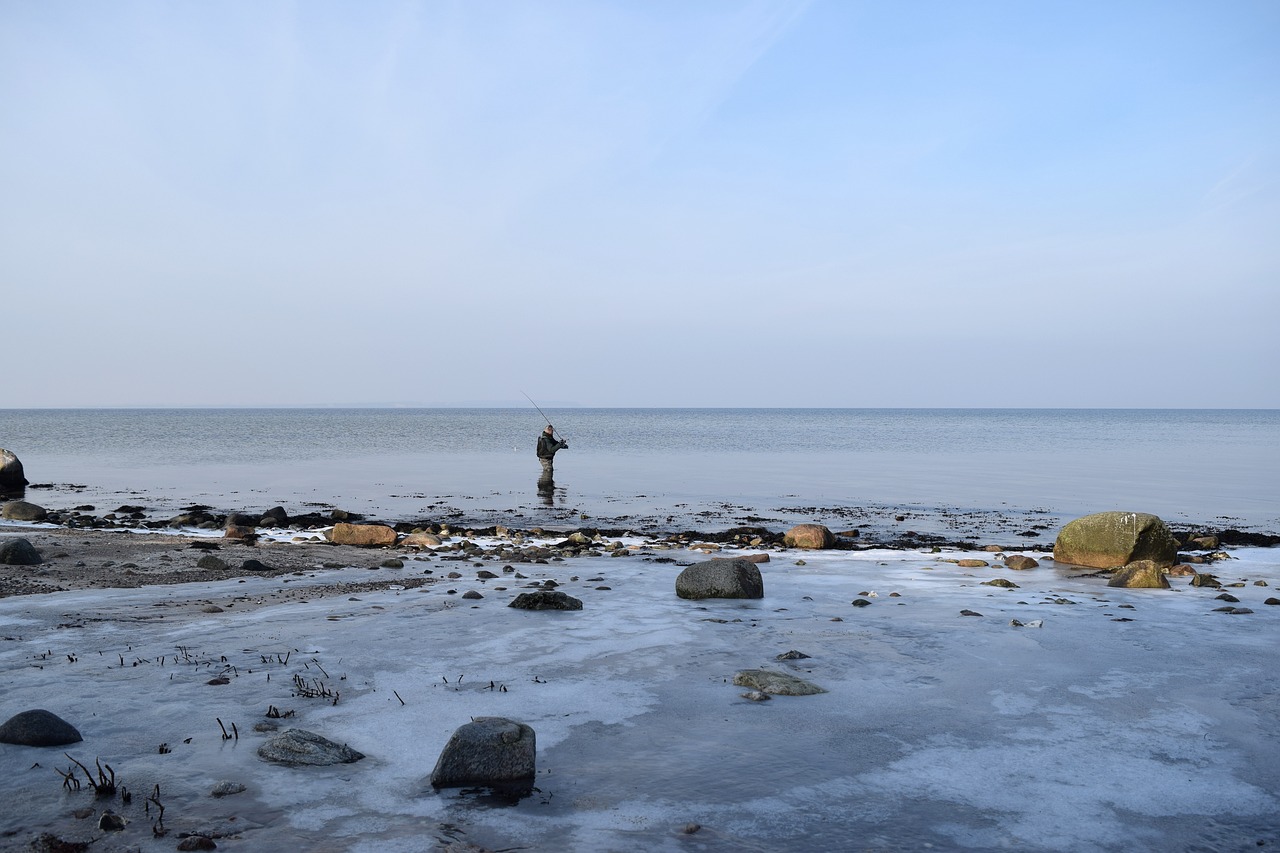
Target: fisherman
[(548, 444)]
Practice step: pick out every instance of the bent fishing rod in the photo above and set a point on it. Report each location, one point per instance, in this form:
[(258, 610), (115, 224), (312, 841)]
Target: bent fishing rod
[(544, 415)]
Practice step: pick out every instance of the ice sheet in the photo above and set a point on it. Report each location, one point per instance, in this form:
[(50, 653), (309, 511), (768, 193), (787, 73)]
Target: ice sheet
[(938, 729)]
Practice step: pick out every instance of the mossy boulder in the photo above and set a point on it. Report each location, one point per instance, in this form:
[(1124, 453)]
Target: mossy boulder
[(1110, 540), (1142, 574)]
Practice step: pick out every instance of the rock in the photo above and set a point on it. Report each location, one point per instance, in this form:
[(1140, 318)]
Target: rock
[(970, 613), (753, 558), (487, 751), (252, 565), (211, 563), (226, 789), (197, 842), (1204, 543), (111, 822), (23, 511), (1272, 601), (1020, 562), (1181, 570), (422, 540), (297, 748), (545, 599), (277, 516), (364, 535), (792, 655), (1108, 540), (777, 683), (38, 728), (392, 563), (1206, 580), (972, 564), (810, 536), (756, 696), (18, 552), (1003, 582), (11, 473), (472, 595), (239, 532), (720, 579), (1140, 574), (860, 602)]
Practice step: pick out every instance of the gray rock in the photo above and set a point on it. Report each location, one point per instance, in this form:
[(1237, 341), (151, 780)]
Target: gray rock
[(487, 751), (18, 552), (720, 579), (298, 747), (545, 599), (226, 789), (1109, 540), (777, 683), (11, 474), (23, 511), (212, 563), (38, 728)]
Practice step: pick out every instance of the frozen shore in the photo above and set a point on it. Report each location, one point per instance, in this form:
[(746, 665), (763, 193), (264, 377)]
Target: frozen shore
[(1130, 719)]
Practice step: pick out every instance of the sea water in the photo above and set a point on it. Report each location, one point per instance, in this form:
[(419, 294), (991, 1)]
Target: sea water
[(665, 467)]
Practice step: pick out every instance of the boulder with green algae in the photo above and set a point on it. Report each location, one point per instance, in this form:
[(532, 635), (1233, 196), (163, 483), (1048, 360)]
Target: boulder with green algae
[(1141, 574), (1109, 540)]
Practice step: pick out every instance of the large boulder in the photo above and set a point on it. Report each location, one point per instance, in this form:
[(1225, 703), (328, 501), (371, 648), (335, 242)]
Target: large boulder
[(38, 728), (811, 536), (487, 751), (298, 747), (18, 552), (365, 535), (11, 474), (720, 579), (23, 511), (1109, 540)]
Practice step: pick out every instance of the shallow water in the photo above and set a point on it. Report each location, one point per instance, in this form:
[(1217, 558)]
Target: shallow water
[(669, 467)]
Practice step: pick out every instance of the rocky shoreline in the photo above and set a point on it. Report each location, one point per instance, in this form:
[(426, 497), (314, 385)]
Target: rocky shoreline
[(129, 546)]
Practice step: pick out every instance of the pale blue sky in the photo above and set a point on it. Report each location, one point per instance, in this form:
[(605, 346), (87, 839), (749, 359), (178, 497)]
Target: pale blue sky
[(640, 203)]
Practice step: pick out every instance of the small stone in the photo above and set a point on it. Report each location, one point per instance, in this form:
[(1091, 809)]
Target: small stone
[(792, 655), (226, 789), (1001, 582), (756, 696), (778, 683), (1228, 597), (472, 595), (860, 602), (1272, 601), (972, 564), (111, 822), (970, 613), (197, 842)]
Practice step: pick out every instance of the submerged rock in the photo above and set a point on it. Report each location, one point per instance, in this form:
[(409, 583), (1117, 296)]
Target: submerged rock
[(487, 751), (777, 683), (720, 579), (298, 747), (1020, 562), (1108, 540), (38, 728)]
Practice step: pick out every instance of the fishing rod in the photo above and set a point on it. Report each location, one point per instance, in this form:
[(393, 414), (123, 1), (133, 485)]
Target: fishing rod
[(544, 415)]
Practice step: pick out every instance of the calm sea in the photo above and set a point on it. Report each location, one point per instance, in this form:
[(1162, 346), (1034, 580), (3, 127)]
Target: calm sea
[(709, 468)]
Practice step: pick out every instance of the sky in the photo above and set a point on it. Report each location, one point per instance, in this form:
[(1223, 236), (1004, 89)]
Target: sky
[(757, 203)]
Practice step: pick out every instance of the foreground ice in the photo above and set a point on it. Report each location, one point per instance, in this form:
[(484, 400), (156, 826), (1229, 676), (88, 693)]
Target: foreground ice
[(1158, 732)]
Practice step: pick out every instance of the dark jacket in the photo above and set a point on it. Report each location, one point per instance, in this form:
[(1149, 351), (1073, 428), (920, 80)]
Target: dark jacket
[(547, 446)]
